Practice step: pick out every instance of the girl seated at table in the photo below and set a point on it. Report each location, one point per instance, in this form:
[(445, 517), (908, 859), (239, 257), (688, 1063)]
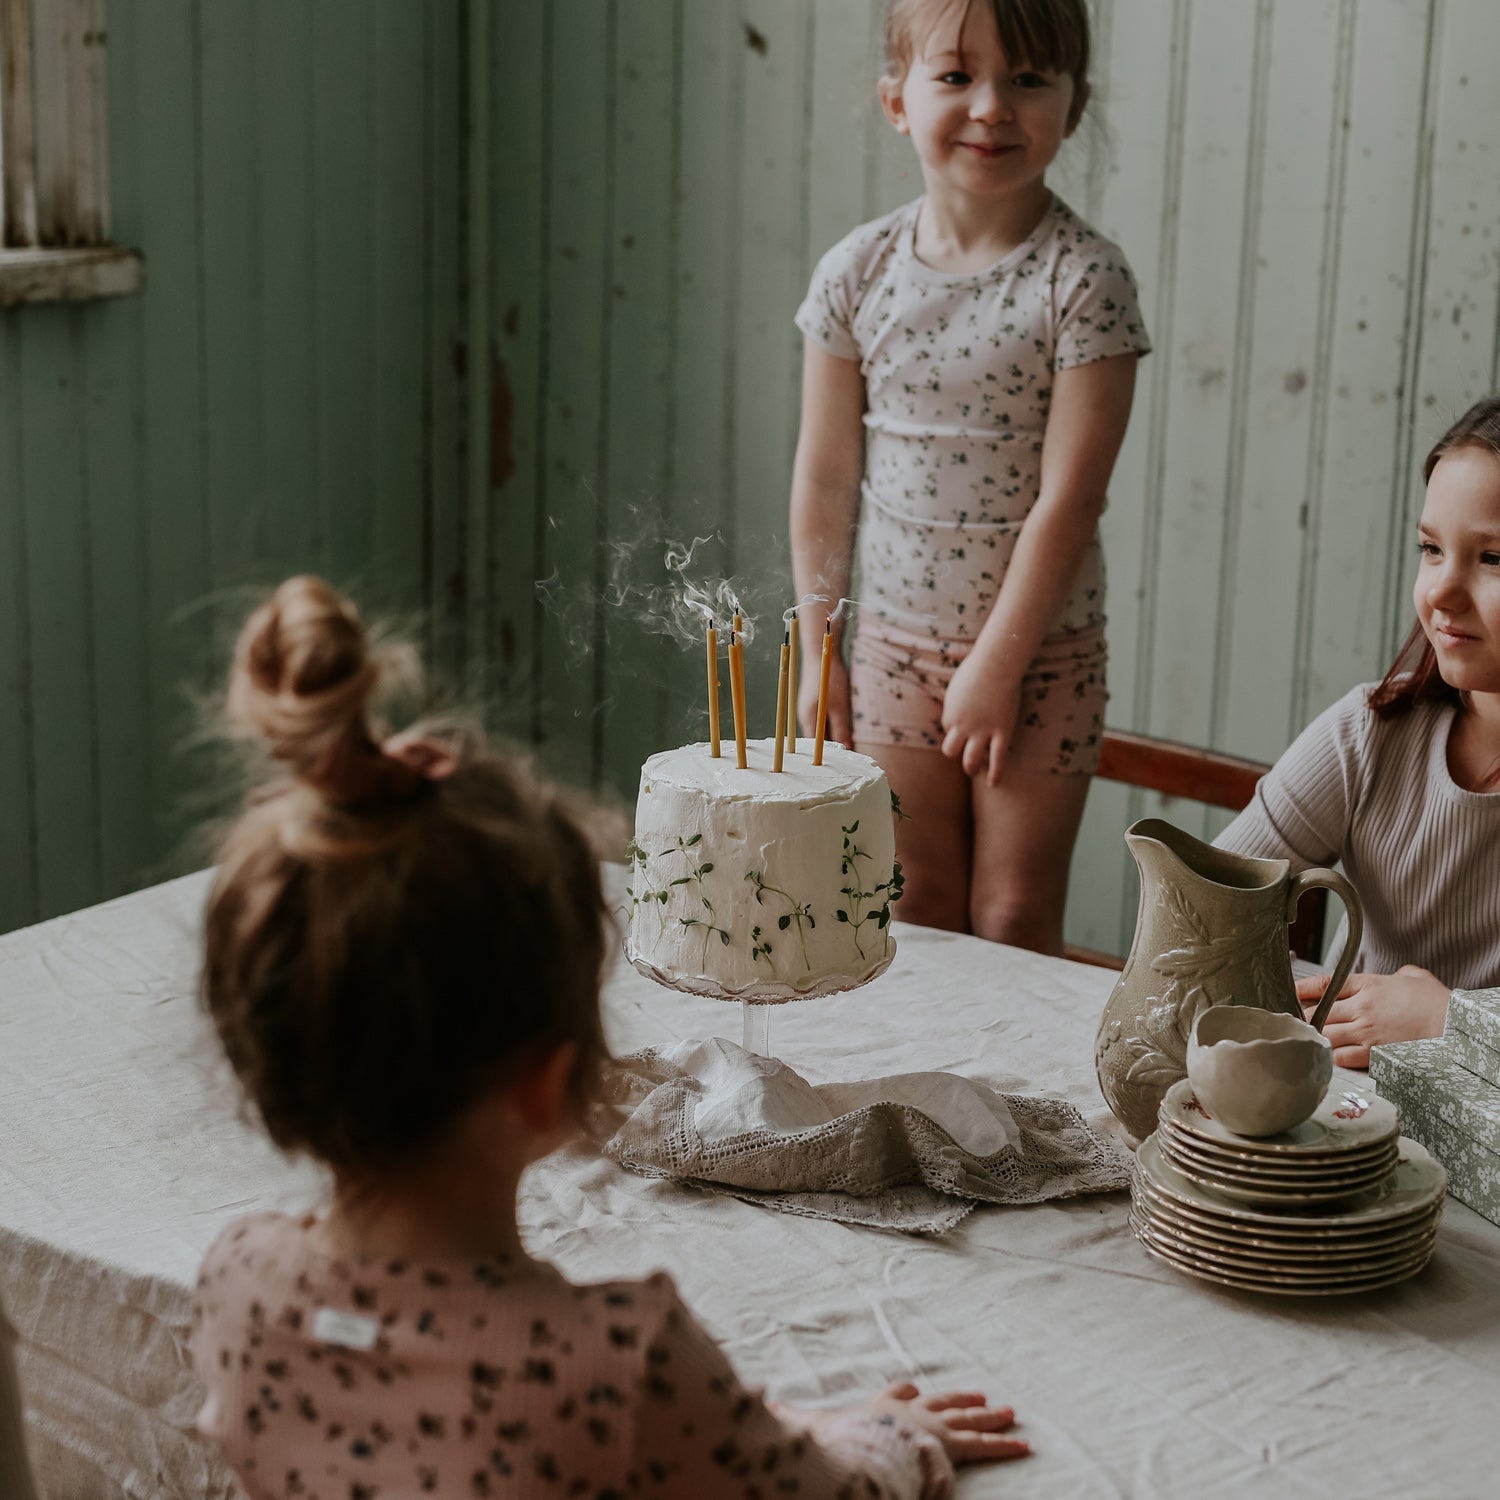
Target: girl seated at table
[(404, 944), (1400, 779)]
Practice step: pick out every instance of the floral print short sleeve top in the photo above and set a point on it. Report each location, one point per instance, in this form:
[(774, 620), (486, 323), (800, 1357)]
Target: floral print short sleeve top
[(958, 374), (332, 1379)]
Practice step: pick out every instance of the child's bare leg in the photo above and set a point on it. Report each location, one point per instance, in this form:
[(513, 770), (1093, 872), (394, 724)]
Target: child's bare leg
[(1024, 830), (934, 840)]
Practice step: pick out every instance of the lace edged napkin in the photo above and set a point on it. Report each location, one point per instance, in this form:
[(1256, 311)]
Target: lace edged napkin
[(913, 1152)]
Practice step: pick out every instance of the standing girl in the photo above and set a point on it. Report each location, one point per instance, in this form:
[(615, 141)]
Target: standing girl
[(968, 373), (404, 942), (1400, 780)]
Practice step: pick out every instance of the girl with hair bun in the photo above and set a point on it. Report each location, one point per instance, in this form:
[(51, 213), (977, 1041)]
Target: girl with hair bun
[(403, 953), (1400, 779)]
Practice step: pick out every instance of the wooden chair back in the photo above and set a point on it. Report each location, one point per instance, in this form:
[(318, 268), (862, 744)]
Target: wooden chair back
[(1209, 776)]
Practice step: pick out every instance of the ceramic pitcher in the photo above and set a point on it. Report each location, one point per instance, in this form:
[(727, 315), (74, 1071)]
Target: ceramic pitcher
[(1211, 929)]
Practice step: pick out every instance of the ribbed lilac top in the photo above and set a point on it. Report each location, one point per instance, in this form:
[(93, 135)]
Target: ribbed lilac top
[(1423, 853)]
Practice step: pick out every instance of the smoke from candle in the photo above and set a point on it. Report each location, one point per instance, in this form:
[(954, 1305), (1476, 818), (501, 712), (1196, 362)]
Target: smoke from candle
[(786, 615), (839, 609)]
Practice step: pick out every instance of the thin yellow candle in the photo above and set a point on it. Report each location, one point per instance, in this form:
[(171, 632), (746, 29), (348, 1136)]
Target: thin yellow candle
[(713, 692), (737, 693), (791, 684), (827, 667), (781, 689)]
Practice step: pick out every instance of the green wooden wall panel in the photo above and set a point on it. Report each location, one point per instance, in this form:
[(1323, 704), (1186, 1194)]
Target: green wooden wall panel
[(774, 252), (339, 312), (239, 523), (285, 392), (520, 234), (390, 331), (578, 280), (1145, 103), (65, 786), (1367, 455), (286, 494), (154, 108), (113, 412), (705, 276), (18, 895), (639, 662), (447, 359)]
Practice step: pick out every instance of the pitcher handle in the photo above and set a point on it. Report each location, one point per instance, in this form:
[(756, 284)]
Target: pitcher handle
[(1330, 880)]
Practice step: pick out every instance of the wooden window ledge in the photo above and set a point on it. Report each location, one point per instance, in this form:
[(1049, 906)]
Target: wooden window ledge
[(68, 275)]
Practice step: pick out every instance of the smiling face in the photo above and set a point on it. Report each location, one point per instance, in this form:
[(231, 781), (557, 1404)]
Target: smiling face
[(1457, 592), (982, 123)]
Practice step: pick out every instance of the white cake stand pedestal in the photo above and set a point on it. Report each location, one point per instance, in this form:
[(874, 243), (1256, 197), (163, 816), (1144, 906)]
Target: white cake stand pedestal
[(757, 1028)]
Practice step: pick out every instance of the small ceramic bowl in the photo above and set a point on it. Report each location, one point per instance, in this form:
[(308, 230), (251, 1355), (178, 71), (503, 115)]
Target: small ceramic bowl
[(1257, 1072)]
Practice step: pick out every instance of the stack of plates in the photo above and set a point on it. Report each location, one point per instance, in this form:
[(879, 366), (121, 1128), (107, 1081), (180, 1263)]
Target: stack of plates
[(1297, 1246), (1349, 1145)]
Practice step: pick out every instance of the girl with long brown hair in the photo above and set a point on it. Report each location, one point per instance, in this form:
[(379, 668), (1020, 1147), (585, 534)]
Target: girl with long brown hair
[(1400, 779)]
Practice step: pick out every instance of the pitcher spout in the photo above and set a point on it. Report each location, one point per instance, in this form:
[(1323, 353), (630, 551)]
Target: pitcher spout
[(1161, 849)]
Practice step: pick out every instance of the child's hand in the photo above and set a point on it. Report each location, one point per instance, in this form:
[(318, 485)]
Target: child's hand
[(969, 1429), (1375, 1008), (979, 715), (840, 726)]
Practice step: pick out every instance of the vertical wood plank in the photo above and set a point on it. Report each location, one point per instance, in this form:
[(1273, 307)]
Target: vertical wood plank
[(114, 407), (581, 110), (165, 213), (845, 121), (1142, 82), (706, 259), (64, 746), (1461, 286), (766, 344), (477, 284), (390, 324), (522, 241), (638, 660), (240, 532), (289, 216), (1364, 451), (18, 833), (1210, 333), (1300, 136), (338, 475), (443, 205)]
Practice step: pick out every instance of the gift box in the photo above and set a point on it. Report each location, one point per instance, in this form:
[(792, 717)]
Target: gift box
[(1451, 1111), (1473, 1031)]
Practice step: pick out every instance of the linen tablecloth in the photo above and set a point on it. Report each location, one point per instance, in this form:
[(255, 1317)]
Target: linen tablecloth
[(122, 1154)]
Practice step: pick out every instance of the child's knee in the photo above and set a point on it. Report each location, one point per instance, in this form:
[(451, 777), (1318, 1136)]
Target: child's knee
[(1021, 914)]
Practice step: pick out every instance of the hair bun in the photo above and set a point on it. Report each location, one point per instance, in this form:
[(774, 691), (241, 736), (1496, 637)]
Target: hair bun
[(302, 678)]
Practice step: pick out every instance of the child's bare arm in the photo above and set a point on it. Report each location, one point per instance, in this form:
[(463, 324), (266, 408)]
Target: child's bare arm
[(1086, 425), (825, 507)]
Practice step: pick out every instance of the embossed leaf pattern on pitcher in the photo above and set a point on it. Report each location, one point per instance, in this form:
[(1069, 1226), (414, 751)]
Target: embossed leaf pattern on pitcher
[(1159, 1045)]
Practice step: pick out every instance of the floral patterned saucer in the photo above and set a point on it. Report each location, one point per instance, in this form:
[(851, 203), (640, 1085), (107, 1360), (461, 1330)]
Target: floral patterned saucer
[(1345, 1121)]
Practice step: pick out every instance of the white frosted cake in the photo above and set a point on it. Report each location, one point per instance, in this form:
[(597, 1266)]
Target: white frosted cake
[(762, 885)]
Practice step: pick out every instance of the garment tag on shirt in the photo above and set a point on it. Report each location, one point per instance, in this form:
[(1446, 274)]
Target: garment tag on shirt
[(349, 1329)]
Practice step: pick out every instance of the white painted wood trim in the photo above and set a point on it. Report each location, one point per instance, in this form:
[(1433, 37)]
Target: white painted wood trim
[(37, 275)]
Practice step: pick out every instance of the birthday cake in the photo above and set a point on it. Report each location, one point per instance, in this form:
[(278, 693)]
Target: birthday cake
[(762, 885)]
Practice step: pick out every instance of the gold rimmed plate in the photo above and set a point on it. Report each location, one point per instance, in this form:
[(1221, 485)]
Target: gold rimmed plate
[(1302, 1264), (1416, 1185), (1254, 1240), (1178, 1143), (1346, 1120), (1248, 1282)]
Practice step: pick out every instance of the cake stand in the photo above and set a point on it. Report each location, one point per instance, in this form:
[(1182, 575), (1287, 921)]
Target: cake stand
[(757, 1001)]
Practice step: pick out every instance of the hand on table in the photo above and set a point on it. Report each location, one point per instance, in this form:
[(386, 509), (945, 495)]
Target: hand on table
[(1375, 1008), (840, 726), (970, 1430), (979, 715)]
